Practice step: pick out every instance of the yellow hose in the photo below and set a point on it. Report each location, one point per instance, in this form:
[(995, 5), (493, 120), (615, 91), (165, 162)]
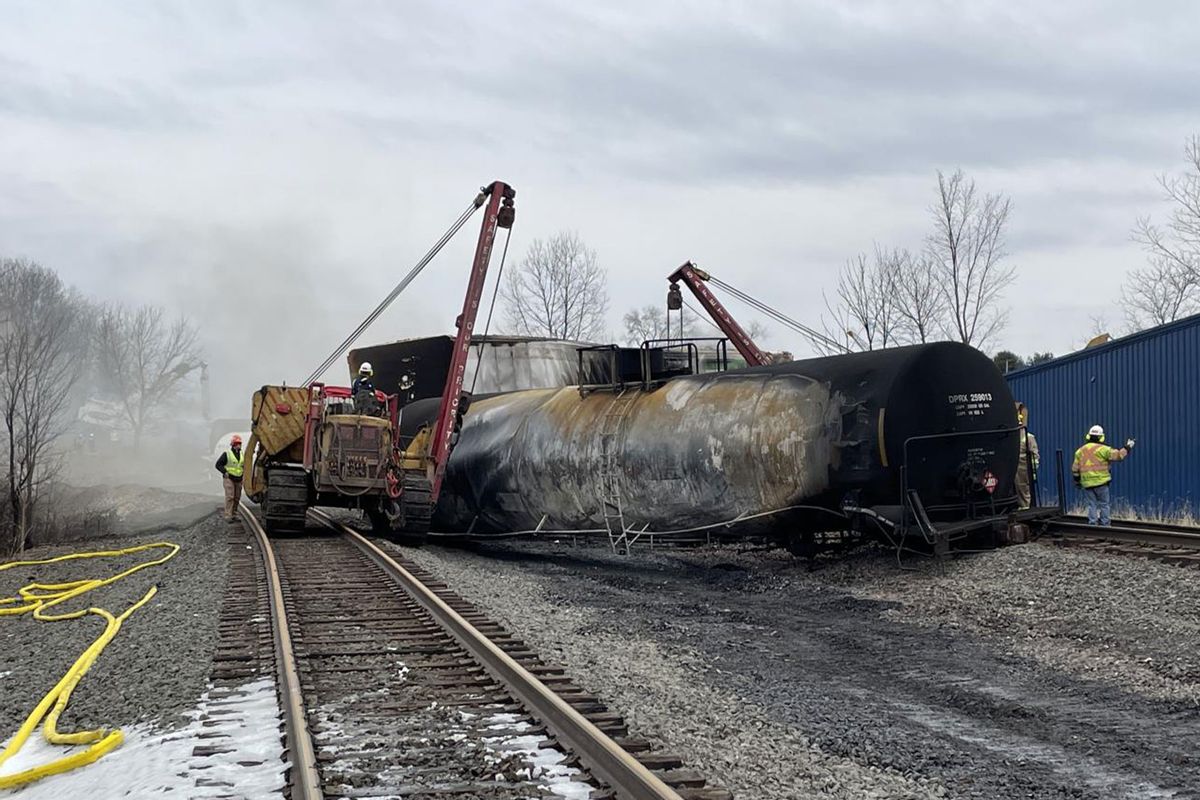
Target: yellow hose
[(38, 598)]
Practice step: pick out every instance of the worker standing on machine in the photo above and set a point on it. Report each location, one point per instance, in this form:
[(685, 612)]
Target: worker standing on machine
[(363, 390), (363, 382), (230, 465), (1090, 471), (1027, 465)]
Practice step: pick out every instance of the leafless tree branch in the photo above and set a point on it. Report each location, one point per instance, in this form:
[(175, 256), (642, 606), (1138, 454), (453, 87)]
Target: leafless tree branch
[(1159, 293), (967, 252), (920, 301), (1169, 286), (559, 291), (651, 322), (865, 311), (40, 360), (142, 358)]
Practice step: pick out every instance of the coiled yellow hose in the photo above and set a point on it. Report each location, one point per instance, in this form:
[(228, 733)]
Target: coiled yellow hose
[(38, 598)]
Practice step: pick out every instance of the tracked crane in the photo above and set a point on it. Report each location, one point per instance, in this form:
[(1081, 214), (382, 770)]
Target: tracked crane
[(317, 445)]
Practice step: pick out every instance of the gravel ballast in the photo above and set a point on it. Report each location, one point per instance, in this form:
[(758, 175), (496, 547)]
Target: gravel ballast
[(1028, 672), (1129, 622), (157, 666)]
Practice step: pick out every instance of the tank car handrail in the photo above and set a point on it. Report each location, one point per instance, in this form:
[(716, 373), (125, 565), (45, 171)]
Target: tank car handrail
[(929, 531), (956, 434), (612, 349), (693, 357), (696, 365)]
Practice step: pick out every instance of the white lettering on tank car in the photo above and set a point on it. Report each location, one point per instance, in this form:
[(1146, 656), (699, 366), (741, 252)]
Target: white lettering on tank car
[(970, 404)]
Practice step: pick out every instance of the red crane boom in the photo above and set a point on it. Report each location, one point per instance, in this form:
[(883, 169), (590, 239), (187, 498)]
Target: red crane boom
[(695, 279), (500, 213)]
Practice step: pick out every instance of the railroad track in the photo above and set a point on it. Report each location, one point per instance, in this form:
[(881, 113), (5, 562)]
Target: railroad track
[(1175, 544), (392, 685)]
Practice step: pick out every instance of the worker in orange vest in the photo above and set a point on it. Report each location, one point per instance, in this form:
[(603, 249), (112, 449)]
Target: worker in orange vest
[(1091, 472)]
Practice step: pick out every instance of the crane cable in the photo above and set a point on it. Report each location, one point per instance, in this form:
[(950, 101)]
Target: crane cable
[(400, 287), (816, 337), (700, 315), (487, 325), (40, 597)]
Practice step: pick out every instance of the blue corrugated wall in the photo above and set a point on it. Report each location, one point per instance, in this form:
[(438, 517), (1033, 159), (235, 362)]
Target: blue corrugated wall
[(1145, 386)]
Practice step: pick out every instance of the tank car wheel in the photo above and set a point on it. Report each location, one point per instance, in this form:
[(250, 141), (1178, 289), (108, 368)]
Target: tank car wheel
[(803, 546)]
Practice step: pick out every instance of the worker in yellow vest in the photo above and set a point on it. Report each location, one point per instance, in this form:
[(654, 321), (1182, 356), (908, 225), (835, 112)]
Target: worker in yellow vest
[(230, 465), (1091, 472)]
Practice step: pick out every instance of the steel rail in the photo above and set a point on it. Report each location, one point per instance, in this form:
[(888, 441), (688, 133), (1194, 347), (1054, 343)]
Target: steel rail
[(600, 755), (1140, 524), (1123, 531), (304, 779)]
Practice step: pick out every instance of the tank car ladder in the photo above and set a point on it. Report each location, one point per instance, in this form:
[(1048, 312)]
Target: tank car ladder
[(610, 486)]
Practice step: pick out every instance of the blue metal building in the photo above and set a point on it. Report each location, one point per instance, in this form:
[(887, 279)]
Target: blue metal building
[(1145, 386)]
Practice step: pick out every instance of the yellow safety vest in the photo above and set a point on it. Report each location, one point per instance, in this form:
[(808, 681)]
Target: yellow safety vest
[(233, 463), (1091, 464)]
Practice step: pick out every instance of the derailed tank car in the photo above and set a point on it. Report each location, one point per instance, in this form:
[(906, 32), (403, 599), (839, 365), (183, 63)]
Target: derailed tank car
[(919, 438)]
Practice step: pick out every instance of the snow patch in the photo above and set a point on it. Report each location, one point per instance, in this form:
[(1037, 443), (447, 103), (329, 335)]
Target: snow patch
[(152, 762), (545, 766)]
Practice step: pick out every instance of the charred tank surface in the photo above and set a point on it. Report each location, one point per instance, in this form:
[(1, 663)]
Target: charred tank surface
[(826, 434)]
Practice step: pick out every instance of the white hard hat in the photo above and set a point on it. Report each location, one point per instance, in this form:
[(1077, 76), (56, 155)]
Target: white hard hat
[(1095, 430), (366, 369)]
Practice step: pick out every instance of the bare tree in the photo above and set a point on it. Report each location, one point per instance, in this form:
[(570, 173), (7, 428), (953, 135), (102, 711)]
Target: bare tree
[(559, 290), (1161, 292), (652, 322), (865, 310), (920, 301), (967, 253), (1180, 242), (641, 324), (143, 358), (1169, 287), (39, 365)]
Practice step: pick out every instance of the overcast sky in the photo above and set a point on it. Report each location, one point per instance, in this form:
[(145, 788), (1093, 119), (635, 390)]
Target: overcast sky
[(272, 168)]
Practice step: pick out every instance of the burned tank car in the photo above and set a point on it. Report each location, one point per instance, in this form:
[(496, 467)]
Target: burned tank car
[(824, 434)]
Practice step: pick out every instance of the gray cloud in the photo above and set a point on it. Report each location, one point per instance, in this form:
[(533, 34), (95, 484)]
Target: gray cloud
[(704, 102), (76, 101), (173, 150)]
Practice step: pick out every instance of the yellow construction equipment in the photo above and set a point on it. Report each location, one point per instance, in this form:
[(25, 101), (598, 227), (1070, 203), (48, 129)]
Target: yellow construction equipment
[(322, 445)]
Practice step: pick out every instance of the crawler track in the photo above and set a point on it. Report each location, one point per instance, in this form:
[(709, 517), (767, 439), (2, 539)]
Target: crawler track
[(403, 689), (1175, 544)]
